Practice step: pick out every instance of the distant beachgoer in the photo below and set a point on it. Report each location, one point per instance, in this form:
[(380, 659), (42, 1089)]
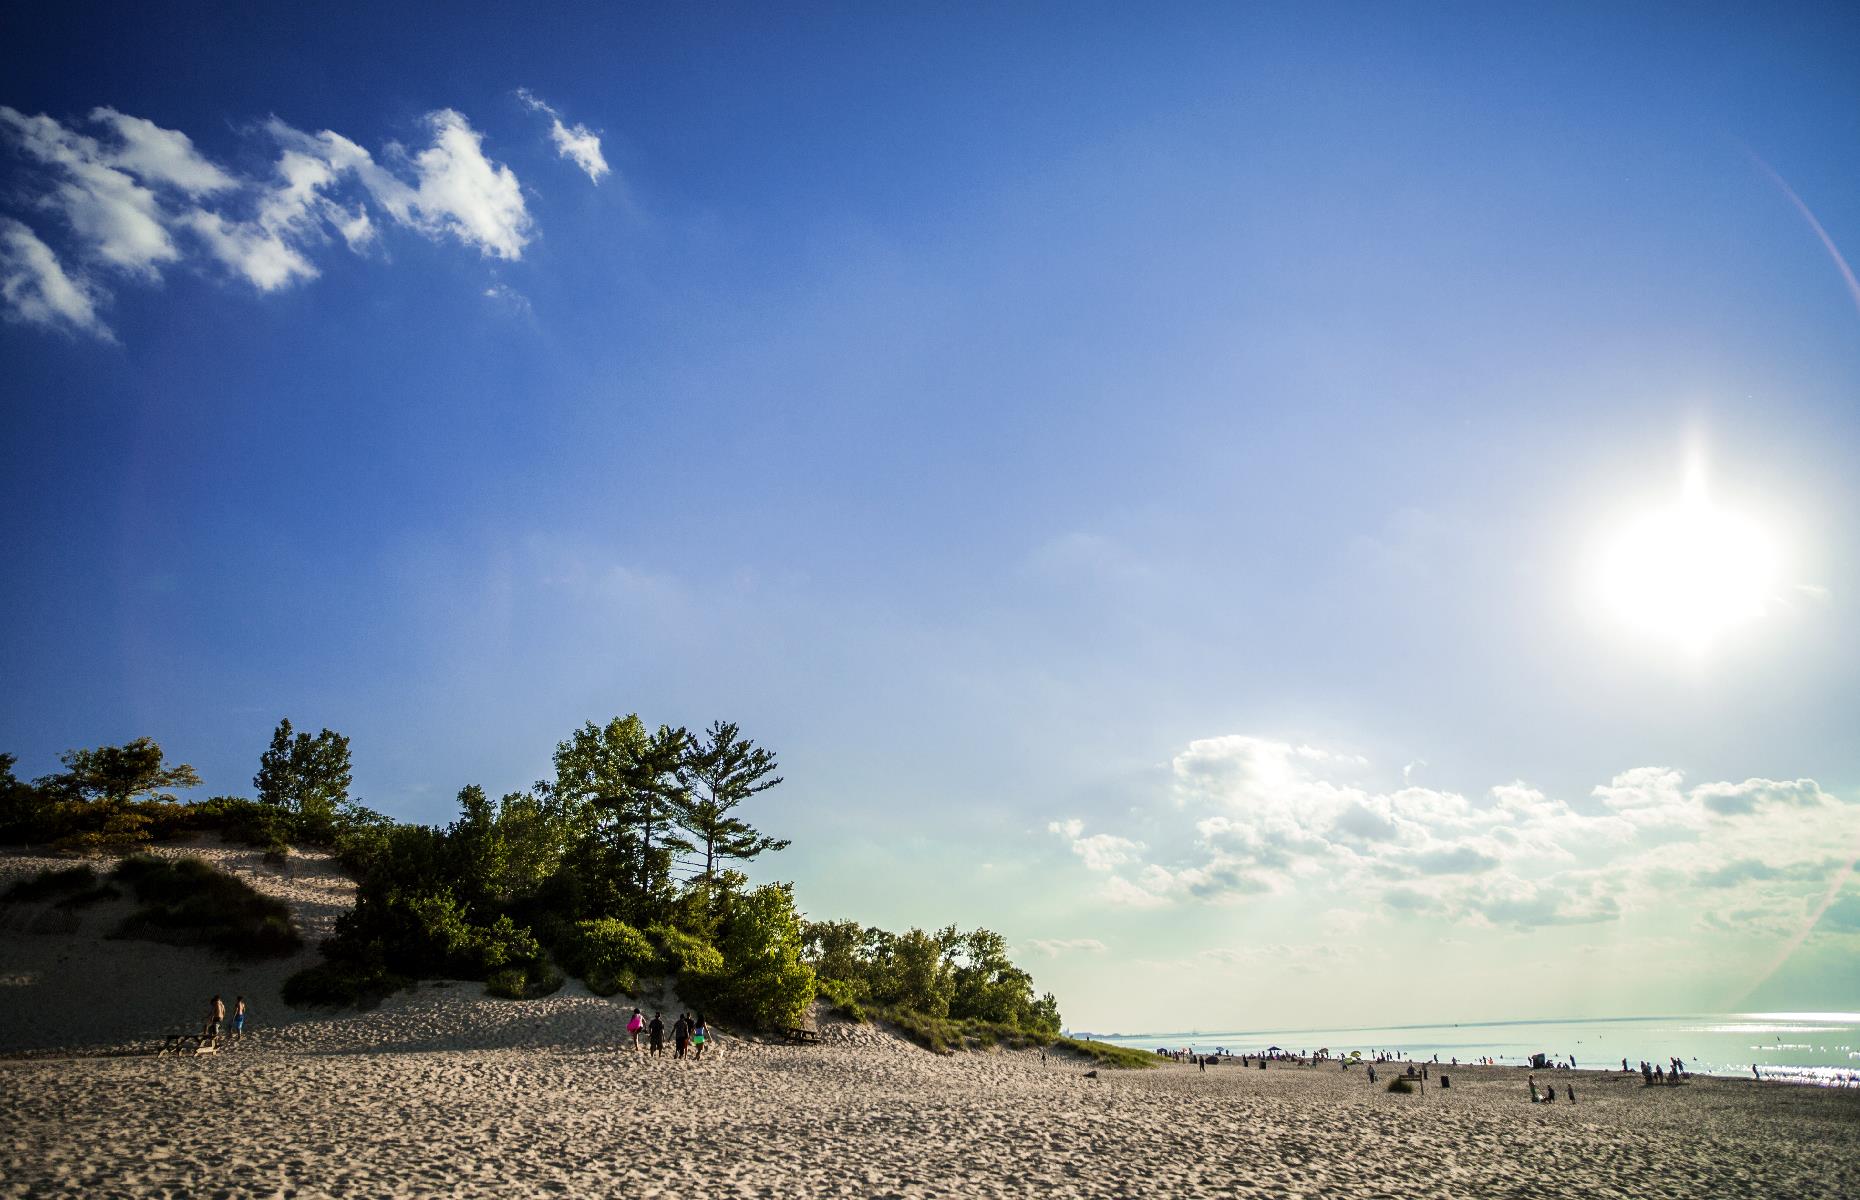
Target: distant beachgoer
[(656, 1033), (635, 1025), (216, 1013), (700, 1033), (1570, 1093), (1624, 1064), (1536, 1097), (1754, 1072), (1372, 1073), (238, 1028), (1659, 1075), (1572, 1062), (681, 1035), (1550, 1094)]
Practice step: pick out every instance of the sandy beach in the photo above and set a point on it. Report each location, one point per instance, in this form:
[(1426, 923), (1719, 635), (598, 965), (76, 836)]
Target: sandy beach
[(445, 1091)]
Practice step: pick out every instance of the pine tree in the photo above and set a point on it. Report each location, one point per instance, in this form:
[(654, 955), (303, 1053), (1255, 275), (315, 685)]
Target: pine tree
[(723, 771)]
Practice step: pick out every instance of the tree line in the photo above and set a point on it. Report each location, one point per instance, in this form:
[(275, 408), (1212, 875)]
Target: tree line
[(622, 866)]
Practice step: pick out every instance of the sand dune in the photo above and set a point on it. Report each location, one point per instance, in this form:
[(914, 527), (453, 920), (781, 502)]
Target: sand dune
[(445, 1091)]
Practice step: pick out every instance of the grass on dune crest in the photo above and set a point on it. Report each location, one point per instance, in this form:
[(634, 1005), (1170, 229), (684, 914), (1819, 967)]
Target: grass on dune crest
[(943, 1035)]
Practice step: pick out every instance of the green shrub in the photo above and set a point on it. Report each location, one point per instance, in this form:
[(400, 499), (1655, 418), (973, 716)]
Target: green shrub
[(1400, 1085), (521, 983), (90, 896), (842, 998), (503, 943), (765, 983), (49, 883), (511, 984), (610, 955), (339, 984), (696, 963), (186, 902)]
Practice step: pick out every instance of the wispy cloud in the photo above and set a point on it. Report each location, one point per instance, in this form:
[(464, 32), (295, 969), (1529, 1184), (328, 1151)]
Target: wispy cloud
[(1054, 947), (35, 287), (136, 198), (577, 143)]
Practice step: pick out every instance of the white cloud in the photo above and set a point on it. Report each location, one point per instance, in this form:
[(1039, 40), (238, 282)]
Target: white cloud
[(121, 221), (35, 287), (161, 156), (461, 192), (1253, 815), (261, 255), (503, 293), (1054, 947), (577, 143), (139, 197), (1100, 851)]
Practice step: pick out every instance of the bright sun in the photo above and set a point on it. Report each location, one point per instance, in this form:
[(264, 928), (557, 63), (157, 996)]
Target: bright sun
[(1690, 572)]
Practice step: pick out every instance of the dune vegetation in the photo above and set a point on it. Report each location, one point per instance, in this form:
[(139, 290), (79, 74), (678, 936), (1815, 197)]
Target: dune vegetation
[(623, 869)]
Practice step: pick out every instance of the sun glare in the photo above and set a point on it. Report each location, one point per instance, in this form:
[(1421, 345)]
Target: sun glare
[(1689, 572)]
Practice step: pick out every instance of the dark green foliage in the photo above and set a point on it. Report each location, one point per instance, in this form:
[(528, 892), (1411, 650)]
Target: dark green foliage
[(90, 896), (119, 774), (841, 999), (610, 956), (340, 984), (723, 771), (519, 983), (28, 813), (47, 884), (1398, 1084), (766, 984), (941, 988), (186, 902), (585, 870), (304, 775)]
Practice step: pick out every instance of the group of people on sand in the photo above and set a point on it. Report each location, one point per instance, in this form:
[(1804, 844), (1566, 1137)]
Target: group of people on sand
[(1673, 1072), (1548, 1095), (689, 1033), (216, 1018)]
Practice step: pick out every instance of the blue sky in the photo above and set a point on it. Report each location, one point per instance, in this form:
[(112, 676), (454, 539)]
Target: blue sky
[(1142, 470)]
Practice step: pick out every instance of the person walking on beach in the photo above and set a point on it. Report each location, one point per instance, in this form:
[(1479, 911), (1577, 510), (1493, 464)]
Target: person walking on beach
[(238, 1028), (681, 1035), (1535, 1097), (635, 1025), (700, 1033), (656, 1033), (216, 1013)]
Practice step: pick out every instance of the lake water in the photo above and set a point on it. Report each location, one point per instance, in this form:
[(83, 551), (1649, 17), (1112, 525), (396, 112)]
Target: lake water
[(1819, 1047)]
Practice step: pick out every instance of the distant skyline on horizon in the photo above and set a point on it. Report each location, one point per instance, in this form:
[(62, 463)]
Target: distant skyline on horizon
[(1247, 505)]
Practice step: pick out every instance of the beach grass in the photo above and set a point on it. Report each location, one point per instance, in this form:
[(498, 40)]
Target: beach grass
[(54, 882), (186, 902)]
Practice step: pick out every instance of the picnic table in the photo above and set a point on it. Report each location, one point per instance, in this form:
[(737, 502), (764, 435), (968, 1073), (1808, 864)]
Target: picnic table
[(806, 1037)]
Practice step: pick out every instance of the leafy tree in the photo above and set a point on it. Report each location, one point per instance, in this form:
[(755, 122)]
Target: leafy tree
[(620, 785), (987, 986), (304, 774), (761, 947), (724, 771), (833, 948), (119, 774), (26, 811)]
